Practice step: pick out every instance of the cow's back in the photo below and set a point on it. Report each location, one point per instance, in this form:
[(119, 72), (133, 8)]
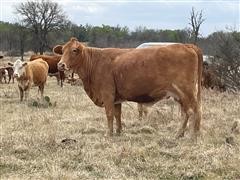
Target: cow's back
[(38, 71), (52, 61), (141, 71)]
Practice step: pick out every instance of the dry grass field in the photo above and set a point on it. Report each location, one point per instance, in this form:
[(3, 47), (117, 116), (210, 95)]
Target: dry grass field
[(67, 140)]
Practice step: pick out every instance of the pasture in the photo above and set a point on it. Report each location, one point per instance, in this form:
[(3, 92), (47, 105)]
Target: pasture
[(68, 141)]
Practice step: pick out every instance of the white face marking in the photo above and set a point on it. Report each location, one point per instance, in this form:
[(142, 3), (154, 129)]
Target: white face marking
[(18, 68)]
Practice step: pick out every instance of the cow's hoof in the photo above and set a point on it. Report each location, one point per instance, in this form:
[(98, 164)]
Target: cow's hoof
[(118, 132), (180, 134), (194, 137), (108, 134)]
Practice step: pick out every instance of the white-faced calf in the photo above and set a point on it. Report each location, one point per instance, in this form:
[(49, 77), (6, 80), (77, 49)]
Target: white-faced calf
[(28, 74)]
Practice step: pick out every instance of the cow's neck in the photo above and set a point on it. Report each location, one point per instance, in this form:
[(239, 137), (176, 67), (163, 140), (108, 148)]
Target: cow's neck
[(86, 71)]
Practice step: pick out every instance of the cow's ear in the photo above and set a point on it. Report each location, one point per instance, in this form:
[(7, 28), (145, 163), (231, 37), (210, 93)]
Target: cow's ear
[(80, 46), (24, 64), (10, 64), (58, 50)]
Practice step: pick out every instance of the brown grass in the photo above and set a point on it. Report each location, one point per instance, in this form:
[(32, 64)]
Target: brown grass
[(68, 141)]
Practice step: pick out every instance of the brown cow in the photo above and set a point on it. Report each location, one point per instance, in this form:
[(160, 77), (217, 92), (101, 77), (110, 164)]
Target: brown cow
[(140, 75), (30, 73), (52, 63)]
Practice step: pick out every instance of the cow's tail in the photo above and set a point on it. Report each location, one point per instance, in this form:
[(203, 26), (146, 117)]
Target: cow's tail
[(200, 67)]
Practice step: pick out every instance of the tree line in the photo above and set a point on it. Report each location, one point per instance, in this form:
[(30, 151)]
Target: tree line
[(15, 37)]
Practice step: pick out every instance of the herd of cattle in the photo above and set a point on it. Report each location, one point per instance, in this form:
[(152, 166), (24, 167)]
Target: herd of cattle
[(112, 75)]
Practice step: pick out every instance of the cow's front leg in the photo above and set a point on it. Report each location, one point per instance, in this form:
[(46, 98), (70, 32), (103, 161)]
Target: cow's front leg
[(27, 89), (26, 94), (108, 101), (21, 93), (109, 108), (117, 113)]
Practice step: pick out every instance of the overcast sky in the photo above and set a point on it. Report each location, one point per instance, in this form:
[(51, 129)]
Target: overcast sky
[(156, 14)]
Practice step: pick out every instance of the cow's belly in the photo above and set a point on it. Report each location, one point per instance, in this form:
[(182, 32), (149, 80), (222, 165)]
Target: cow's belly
[(145, 91)]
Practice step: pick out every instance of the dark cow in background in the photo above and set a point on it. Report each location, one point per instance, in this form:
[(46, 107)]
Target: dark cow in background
[(1, 56), (52, 63), (210, 80)]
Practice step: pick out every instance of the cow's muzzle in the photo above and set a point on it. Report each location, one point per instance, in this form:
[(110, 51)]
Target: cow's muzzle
[(61, 66), (15, 75)]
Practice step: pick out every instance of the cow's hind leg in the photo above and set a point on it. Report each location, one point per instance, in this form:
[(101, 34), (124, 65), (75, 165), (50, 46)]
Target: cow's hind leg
[(196, 123), (41, 89), (142, 110), (182, 129), (193, 115), (117, 114)]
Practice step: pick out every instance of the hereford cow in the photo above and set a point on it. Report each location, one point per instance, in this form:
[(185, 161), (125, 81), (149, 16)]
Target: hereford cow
[(52, 63), (30, 73), (141, 75)]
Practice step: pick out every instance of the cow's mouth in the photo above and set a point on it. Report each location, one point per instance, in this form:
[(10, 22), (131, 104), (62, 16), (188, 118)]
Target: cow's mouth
[(62, 66)]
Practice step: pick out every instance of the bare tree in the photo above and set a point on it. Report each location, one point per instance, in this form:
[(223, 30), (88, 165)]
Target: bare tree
[(41, 17), (196, 20)]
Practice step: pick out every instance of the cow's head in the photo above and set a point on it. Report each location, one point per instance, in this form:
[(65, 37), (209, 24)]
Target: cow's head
[(18, 68), (71, 54)]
